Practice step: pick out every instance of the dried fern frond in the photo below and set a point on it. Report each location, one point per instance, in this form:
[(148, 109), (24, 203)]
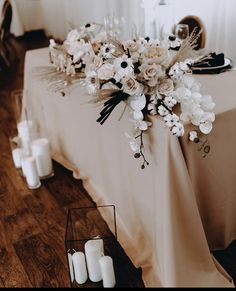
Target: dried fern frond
[(187, 47)]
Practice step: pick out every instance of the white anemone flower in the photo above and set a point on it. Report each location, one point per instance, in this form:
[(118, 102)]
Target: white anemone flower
[(123, 67), (107, 51)]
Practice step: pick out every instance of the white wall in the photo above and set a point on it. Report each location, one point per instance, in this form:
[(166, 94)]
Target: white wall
[(219, 17), (57, 16)]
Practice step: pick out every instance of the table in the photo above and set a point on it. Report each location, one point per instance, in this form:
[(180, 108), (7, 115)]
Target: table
[(169, 215)]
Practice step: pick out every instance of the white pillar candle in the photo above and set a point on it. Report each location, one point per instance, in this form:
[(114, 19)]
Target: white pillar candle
[(31, 173), (71, 268), (17, 156), (94, 250), (26, 128), (41, 152), (79, 264), (25, 144), (107, 270)]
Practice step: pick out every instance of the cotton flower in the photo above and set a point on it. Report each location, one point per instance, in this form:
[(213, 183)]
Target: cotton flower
[(162, 110), (170, 102), (178, 129), (123, 67), (193, 136), (152, 108), (171, 119)]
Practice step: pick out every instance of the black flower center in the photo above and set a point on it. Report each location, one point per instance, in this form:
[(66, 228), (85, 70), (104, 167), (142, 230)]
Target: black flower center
[(172, 37), (87, 25), (93, 80), (124, 65), (107, 50)]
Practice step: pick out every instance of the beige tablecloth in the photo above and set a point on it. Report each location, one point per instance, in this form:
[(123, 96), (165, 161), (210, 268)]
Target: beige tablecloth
[(169, 214)]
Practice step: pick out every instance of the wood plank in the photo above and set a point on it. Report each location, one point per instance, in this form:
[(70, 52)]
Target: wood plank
[(41, 263), (12, 273), (67, 191), (50, 218)]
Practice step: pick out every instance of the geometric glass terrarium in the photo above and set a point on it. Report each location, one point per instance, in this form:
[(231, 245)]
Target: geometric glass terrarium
[(91, 246)]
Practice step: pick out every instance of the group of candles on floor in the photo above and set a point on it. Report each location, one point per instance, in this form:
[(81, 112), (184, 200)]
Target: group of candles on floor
[(31, 154), (99, 267)]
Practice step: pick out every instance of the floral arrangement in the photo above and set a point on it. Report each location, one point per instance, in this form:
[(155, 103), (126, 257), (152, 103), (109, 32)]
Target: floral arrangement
[(153, 81), (146, 75)]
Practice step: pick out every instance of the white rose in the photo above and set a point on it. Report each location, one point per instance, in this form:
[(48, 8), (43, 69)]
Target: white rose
[(150, 72), (166, 86), (131, 86), (157, 54), (106, 72)]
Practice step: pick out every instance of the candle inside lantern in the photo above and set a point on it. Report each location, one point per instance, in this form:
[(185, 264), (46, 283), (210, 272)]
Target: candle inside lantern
[(26, 131), (17, 156), (107, 270), (41, 152), (79, 264), (26, 128), (72, 277), (31, 173), (94, 250)]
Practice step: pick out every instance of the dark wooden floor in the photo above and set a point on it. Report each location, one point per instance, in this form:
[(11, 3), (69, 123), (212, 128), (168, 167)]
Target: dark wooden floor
[(33, 223)]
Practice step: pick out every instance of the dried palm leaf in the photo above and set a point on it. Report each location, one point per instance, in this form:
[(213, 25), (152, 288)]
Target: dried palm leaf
[(187, 48)]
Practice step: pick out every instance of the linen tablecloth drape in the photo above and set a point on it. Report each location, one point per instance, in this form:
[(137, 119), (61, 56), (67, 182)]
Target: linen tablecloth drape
[(172, 213)]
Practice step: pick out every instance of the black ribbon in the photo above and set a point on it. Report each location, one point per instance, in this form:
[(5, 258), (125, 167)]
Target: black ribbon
[(110, 105)]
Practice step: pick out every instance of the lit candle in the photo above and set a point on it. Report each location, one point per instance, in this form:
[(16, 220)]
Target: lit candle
[(107, 270), (31, 173), (17, 156), (79, 264), (72, 277), (94, 250), (41, 152)]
